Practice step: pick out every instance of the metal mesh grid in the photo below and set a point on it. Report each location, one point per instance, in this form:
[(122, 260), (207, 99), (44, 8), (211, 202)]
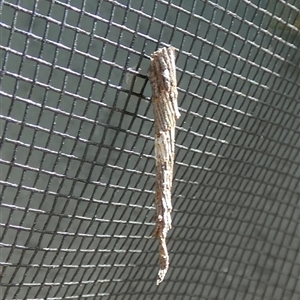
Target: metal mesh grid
[(77, 157)]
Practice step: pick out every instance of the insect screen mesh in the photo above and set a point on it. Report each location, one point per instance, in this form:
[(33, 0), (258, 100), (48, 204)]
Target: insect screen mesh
[(77, 149)]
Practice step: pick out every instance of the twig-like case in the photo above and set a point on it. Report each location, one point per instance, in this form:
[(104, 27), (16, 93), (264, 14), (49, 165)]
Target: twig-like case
[(162, 75)]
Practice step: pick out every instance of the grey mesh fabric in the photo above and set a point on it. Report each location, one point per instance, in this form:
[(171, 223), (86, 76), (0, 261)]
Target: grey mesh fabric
[(77, 156)]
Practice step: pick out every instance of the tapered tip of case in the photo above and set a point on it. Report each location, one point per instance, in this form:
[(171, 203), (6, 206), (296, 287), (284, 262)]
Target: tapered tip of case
[(161, 276)]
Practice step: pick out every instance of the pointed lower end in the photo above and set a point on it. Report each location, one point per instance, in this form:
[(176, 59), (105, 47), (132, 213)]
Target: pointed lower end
[(161, 276)]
